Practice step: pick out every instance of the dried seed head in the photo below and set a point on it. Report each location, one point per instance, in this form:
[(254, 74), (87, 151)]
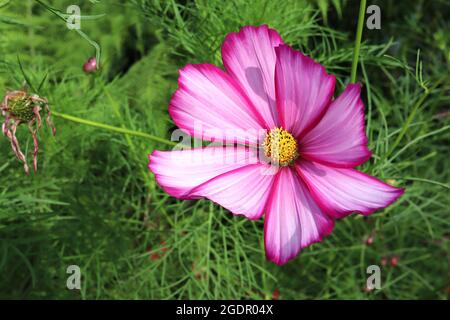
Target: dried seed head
[(280, 146), (19, 107)]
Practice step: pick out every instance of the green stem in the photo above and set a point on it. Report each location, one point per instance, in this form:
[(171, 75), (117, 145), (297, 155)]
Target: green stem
[(407, 124), (112, 128), (411, 116), (362, 12)]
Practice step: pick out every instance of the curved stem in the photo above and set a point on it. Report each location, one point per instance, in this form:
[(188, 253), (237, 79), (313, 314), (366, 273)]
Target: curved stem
[(411, 116), (362, 12), (112, 128)]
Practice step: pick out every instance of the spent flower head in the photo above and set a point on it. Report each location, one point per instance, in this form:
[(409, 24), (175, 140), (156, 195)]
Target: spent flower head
[(20, 107)]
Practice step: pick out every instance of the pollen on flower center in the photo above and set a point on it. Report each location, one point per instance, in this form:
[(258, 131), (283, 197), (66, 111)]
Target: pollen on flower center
[(280, 146)]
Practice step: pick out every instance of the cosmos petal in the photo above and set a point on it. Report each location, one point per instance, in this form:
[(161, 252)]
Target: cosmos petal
[(232, 177), (243, 191), (341, 191), (249, 57), (293, 219), (210, 105), (339, 139), (303, 90)]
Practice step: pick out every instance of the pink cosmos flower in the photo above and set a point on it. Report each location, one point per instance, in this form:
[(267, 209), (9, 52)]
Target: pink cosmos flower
[(310, 142)]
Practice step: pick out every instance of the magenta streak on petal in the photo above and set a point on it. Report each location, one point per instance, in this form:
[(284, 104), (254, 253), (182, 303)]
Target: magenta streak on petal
[(231, 177), (293, 220), (342, 191), (180, 171), (207, 96), (303, 90), (249, 57), (243, 191), (339, 140)]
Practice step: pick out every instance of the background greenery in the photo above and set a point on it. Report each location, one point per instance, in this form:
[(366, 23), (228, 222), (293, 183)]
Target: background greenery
[(93, 202)]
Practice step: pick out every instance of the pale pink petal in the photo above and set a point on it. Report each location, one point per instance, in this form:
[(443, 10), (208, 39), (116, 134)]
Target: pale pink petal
[(180, 171), (243, 191), (249, 56), (209, 104), (341, 191), (232, 176), (293, 219), (303, 89), (339, 139)]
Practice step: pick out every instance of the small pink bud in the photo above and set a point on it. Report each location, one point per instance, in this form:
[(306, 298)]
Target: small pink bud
[(383, 261), (394, 261), (198, 274), (276, 294), (90, 65), (163, 247), (155, 256), (158, 253), (366, 289), (369, 240)]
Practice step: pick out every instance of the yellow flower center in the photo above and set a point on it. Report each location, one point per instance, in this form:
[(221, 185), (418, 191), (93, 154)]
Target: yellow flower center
[(280, 146)]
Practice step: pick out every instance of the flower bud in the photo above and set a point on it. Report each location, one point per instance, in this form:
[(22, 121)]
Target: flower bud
[(90, 65), (394, 261)]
